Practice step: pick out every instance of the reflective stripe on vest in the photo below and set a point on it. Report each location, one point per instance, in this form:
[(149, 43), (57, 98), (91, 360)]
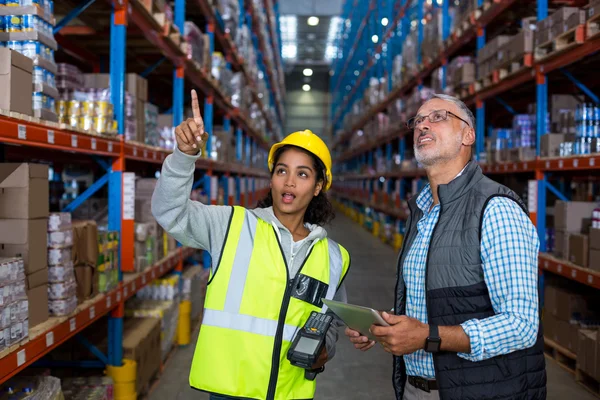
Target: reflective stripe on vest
[(246, 323)]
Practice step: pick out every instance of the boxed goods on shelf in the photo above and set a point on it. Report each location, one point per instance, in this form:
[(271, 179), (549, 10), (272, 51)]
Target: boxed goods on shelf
[(33, 387), (108, 260), (579, 249), (166, 311), (195, 279), (62, 290), (489, 57), (15, 75), (164, 289), (197, 45), (23, 225), (85, 257), (145, 245), (594, 255), (141, 338), (588, 353), (410, 67), (461, 73), (88, 388), (14, 305)]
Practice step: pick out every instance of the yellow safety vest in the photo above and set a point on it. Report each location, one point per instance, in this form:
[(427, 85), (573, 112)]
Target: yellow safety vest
[(253, 310)]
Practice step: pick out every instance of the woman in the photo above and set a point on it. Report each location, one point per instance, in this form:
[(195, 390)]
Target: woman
[(271, 266)]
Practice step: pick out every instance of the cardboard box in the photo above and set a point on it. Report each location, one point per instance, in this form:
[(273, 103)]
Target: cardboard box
[(594, 260), (575, 20), (38, 305), (521, 44), (87, 282), (588, 352), (135, 85), (140, 121), (25, 238), (561, 15), (24, 191), (37, 279), (578, 249), (15, 79), (569, 216), (562, 332), (85, 243), (593, 10), (565, 304), (550, 144), (594, 239), (141, 340)]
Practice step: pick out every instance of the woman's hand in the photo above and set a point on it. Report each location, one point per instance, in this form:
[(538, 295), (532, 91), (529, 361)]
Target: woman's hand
[(190, 133)]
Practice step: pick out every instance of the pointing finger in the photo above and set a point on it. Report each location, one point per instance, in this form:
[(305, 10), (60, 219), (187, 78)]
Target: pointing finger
[(196, 110)]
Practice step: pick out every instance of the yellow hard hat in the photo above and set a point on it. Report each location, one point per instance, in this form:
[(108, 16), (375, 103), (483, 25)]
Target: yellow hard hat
[(309, 142)]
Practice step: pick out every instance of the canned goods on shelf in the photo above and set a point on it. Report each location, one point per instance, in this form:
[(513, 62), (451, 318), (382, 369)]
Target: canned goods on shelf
[(2, 22), (86, 123), (62, 108), (38, 74), (50, 103), (104, 108), (101, 124), (89, 109), (15, 45), (13, 23), (38, 3), (31, 48), (38, 24), (13, 3), (28, 23), (73, 121), (74, 108), (38, 101)]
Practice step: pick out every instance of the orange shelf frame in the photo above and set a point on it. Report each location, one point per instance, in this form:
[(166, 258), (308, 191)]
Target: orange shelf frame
[(51, 334), (568, 270)]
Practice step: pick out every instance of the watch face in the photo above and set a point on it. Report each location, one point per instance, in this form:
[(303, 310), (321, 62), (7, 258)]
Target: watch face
[(433, 345)]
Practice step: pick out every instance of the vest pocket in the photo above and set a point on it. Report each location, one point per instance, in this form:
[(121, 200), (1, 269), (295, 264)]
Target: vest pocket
[(502, 366)]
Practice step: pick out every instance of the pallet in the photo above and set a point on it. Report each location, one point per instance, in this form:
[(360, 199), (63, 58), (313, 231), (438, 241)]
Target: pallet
[(515, 66), (561, 43), (593, 27), (589, 383), (565, 358)]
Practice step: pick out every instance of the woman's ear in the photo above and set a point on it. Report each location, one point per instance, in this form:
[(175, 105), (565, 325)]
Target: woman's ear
[(318, 188)]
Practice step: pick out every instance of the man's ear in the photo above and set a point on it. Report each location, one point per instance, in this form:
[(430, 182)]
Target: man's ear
[(469, 137)]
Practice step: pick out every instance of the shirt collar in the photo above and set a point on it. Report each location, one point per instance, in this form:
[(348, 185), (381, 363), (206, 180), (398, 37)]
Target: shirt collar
[(425, 199)]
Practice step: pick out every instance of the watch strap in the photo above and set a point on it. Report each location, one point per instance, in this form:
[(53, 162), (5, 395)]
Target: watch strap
[(434, 332)]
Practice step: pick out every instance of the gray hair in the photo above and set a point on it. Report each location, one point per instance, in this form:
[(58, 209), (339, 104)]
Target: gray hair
[(462, 106)]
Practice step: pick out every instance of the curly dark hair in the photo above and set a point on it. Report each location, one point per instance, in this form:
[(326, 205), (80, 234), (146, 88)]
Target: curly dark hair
[(320, 210)]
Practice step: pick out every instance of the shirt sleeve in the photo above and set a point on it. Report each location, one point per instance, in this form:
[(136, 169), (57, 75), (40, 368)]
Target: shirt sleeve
[(509, 253)]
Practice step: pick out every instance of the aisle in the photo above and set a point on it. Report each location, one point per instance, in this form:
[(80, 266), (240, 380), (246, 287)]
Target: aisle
[(353, 374)]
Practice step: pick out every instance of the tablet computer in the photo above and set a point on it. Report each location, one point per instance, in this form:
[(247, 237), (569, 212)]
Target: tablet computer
[(356, 317)]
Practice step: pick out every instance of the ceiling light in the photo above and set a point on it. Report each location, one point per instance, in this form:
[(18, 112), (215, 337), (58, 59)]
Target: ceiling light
[(440, 2), (375, 38), (385, 21), (313, 21), (356, 73), (307, 72), (348, 87), (360, 62), (306, 88), (424, 21), (429, 2)]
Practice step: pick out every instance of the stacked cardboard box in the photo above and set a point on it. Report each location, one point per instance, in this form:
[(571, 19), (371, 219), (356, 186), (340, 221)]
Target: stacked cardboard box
[(62, 287), (565, 307), (571, 222), (561, 21), (166, 311), (14, 313), (85, 257), (15, 76), (488, 58), (594, 242), (141, 338), (23, 225)]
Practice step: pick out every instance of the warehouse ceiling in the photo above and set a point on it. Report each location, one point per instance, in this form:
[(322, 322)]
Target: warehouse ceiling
[(305, 39)]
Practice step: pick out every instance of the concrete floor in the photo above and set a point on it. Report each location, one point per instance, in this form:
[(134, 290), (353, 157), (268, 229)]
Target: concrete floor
[(353, 374)]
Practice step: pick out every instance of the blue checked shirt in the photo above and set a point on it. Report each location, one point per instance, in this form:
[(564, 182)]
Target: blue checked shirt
[(509, 253)]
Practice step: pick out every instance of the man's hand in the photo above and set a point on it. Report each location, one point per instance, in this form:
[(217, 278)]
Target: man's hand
[(190, 133), (360, 342), (405, 335), (321, 360)]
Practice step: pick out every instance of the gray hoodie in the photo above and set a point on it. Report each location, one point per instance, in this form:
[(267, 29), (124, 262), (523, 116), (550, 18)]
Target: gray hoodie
[(201, 226)]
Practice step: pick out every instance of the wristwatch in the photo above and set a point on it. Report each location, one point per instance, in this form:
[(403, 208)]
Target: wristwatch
[(433, 341)]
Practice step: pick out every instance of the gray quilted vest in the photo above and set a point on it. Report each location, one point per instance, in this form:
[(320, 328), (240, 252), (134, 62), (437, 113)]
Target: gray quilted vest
[(456, 292)]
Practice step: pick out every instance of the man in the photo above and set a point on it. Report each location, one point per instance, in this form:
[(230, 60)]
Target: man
[(466, 323)]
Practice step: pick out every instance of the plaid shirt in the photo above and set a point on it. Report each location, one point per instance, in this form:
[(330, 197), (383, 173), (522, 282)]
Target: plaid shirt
[(509, 254)]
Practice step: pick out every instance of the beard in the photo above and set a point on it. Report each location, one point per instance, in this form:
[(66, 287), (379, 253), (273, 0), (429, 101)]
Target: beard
[(437, 154)]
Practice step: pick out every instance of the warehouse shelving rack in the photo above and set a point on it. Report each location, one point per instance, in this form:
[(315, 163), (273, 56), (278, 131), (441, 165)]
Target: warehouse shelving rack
[(367, 189), (49, 141)]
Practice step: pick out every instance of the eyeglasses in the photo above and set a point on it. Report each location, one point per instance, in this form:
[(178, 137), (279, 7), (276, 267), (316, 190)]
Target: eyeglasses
[(433, 117)]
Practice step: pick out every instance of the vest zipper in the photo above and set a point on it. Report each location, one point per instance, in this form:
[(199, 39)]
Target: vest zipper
[(427, 277), (281, 323)]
